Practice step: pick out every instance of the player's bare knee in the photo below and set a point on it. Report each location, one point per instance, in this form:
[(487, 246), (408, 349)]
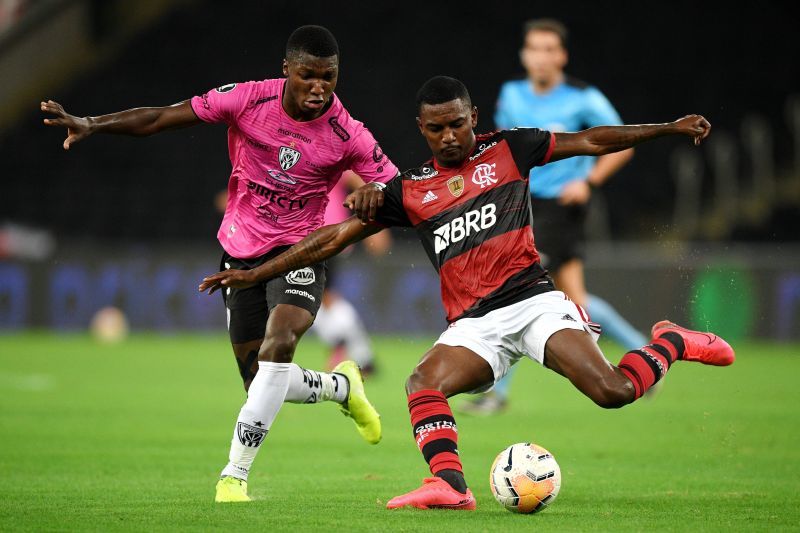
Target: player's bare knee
[(278, 348), (413, 384), (419, 380)]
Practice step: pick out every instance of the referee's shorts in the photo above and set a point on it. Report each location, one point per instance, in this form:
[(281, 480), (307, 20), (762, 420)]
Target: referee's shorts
[(558, 231)]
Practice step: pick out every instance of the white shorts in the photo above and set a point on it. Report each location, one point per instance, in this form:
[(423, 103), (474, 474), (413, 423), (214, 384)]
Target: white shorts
[(504, 336)]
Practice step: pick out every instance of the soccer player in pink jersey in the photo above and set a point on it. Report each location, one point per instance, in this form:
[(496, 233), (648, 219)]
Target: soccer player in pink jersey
[(289, 142)]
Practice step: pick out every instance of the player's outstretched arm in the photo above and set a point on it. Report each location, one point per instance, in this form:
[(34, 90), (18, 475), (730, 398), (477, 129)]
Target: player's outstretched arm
[(140, 121), (608, 139), (318, 246)]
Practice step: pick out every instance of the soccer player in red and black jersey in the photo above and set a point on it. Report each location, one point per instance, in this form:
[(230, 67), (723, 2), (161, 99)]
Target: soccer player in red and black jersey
[(471, 208)]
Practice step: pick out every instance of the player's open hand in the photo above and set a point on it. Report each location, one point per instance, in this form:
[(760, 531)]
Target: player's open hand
[(77, 128), (365, 201), (695, 126), (238, 279)]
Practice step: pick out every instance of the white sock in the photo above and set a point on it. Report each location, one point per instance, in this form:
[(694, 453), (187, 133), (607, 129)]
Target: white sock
[(310, 386), (264, 400), (339, 323)]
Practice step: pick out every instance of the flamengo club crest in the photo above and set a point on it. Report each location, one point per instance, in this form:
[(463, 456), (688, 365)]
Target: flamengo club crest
[(484, 175), (288, 157), (456, 185)]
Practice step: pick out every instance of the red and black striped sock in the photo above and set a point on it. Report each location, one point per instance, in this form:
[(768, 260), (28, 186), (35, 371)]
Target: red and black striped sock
[(437, 436), (645, 366)]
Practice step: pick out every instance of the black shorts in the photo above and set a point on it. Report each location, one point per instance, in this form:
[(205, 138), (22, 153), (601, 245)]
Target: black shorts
[(558, 231), (248, 309)]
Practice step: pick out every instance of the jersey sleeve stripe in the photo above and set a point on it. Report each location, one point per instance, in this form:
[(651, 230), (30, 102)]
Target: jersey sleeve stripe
[(550, 149)]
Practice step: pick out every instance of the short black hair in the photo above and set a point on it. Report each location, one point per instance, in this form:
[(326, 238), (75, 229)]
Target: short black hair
[(544, 24), (441, 89), (313, 40)]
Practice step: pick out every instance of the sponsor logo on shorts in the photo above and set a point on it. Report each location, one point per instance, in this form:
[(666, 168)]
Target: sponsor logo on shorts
[(297, 292), (250, 436), (484, 175), (304, 276), (226, 88), (288, 157), (568, 317)]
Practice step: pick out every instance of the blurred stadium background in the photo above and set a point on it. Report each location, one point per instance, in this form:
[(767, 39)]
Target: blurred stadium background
[(130, 436), (711, 234)]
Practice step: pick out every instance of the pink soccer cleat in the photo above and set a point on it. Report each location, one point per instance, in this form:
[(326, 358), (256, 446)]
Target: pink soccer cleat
[(700, 346), (435, 493)]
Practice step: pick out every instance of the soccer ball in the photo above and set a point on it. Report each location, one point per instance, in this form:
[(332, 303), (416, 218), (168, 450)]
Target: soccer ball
[(525, 478), (109, 325)]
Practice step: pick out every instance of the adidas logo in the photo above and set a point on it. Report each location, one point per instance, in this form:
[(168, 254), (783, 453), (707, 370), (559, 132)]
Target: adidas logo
[(429, 197), (568, 317)]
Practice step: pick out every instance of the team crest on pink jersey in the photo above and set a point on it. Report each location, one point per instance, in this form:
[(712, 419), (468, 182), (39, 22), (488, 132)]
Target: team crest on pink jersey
[(288, 157)]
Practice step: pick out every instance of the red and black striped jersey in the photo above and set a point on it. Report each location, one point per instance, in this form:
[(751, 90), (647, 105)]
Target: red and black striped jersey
[(475, 221)]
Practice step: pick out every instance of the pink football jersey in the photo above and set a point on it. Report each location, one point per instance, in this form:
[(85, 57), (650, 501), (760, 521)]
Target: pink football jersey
[(283, 169), (336, 211)]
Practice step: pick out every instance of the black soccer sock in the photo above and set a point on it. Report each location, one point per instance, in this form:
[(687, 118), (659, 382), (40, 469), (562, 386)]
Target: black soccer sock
[(454, 478)]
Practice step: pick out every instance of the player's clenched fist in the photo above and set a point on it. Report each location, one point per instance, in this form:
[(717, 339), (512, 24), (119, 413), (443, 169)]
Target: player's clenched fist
[(695, 126), (365, 201), (78, 128)]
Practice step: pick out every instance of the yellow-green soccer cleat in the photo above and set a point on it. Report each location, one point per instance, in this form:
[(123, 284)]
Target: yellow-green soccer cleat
[(357, 406), (231, 489)]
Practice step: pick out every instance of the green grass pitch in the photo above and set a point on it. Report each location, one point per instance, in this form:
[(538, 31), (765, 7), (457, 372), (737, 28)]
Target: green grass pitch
[(133, 436)]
